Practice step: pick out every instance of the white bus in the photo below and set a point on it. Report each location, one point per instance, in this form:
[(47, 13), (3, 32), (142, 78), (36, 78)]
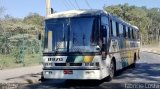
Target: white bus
[(88, 44)]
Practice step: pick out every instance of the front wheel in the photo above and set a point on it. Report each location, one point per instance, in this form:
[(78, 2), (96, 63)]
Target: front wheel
[(112, 70), (42, 79)]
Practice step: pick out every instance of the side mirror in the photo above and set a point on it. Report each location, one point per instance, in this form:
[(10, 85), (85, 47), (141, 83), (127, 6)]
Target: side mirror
[(98, 48)]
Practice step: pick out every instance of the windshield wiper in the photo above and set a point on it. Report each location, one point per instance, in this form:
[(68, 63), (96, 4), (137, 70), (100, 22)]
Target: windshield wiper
[(83, 39), (78, 52), (74, 38)]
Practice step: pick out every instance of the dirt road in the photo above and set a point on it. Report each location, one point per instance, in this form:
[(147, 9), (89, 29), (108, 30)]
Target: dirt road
[(19, 74)]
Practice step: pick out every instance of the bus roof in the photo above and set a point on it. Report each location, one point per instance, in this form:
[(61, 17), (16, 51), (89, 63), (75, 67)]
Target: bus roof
[(75, 13), (84, 12)]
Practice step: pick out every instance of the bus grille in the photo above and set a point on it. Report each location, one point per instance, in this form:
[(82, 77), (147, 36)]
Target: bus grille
[(68, 64)]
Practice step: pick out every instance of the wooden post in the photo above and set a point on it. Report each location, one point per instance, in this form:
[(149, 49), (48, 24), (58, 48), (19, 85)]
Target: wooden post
[(48, 8)]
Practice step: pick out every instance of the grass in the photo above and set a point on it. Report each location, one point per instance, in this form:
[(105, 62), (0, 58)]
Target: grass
[(8, 61)]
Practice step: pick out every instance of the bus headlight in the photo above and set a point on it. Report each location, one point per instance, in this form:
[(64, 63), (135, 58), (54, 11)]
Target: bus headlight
[(48, 72)]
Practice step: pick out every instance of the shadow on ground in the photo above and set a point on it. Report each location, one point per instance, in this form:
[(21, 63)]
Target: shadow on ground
[(143, 71), (148, 72), (75, 84)]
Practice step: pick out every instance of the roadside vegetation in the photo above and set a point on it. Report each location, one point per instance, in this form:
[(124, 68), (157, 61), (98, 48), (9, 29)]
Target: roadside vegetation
[(147, 19), (19, 44)]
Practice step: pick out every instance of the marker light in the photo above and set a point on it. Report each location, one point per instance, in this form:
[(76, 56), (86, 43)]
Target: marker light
[(88, 59)]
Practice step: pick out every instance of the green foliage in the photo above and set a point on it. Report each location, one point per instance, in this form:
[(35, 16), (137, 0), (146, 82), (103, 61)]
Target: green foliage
[(18, 38), (8, 61), (148, 20), (34, 19)]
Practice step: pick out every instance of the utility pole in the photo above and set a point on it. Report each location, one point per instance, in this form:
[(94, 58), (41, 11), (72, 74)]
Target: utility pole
[(48, 8)]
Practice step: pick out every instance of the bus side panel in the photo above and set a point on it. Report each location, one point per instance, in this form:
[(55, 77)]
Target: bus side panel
[(123, 50), (114, 52)]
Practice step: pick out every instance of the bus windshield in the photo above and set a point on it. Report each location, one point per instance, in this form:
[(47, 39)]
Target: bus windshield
[(74, 34)]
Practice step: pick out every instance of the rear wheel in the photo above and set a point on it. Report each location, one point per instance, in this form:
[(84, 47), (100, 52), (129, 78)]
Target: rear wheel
[(134, 61)]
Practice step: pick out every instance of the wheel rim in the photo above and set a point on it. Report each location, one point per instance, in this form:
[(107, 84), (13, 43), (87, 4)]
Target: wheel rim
[(111, 70)]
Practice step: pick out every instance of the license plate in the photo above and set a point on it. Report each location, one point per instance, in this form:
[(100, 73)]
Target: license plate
[(68, 71)]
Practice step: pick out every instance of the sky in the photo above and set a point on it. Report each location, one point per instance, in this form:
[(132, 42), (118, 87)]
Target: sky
[(22, 8)]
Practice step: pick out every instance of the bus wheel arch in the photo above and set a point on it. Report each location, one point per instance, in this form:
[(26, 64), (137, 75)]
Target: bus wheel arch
[(134, 61), (114, 60), (135, 57)]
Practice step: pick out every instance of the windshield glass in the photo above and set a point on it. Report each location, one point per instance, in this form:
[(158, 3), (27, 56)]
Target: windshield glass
[(78, 34), (58, 28), (80, 37)]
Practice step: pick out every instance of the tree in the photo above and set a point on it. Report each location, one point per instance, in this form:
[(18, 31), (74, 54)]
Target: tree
[(34, 19), (146, 19)]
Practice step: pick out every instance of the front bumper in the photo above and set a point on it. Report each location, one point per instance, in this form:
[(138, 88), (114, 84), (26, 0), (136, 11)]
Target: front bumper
[(77, 74)]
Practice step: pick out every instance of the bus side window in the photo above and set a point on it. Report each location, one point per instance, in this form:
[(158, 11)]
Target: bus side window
[(95, 32), (105, 27), (124, 31), (129, 33), (104, 20), (105, 24), (134, 34), (117, 29), (114, 29), (121, 30), (111, 28)]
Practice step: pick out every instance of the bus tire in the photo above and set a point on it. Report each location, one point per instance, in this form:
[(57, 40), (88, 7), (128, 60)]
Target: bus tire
[(112, 69), (42, 79), (134, 62)]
